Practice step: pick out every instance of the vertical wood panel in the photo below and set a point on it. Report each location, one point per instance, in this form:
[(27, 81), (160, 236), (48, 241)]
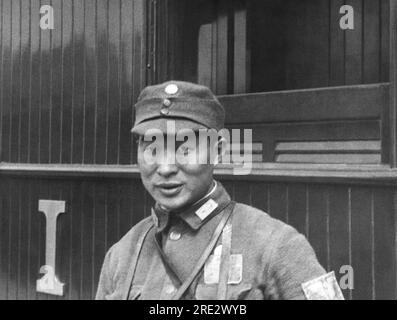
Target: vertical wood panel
[(67, 81), (56, 82), (102, 105), (318, 222), (279, 202), (76, 239), (4, 228), (114, 104), (129, 203), (112, 213), (384, 241), (33, 239), (5, 79), (260, 193), (362, 233), (1, 73), (15, 79), (45, 96), (90, 87), (297, 208), (87, 254), (139, 75), (24, 245), (229, 187), (243, 192), (99, 233), (128, 65), (13, 242), (35, 88), (33, 257), (78, 94), (339, 230), (23, 135)]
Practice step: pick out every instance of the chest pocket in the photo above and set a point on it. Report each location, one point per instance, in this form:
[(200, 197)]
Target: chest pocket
[(234, 291)]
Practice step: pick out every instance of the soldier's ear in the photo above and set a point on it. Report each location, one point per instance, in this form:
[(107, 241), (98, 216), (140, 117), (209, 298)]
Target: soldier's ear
[(136, 138)]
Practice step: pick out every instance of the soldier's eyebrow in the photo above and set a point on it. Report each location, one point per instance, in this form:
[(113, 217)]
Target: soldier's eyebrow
[(141, 142)]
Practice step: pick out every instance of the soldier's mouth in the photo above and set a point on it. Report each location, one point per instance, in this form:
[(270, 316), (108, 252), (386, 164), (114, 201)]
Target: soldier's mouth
[(169, 189)]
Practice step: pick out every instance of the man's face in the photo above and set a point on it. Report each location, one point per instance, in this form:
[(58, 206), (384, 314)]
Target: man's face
[(173, 183)]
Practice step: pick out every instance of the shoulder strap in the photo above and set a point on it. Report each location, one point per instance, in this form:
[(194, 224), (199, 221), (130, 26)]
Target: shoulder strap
[(186, 284), (225, 261), (134, 260)]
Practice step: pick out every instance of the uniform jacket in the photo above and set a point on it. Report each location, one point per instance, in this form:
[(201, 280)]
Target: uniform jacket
[(268, 260)]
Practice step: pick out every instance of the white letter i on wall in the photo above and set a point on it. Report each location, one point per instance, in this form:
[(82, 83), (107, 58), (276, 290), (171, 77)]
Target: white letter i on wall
[(49, 283)]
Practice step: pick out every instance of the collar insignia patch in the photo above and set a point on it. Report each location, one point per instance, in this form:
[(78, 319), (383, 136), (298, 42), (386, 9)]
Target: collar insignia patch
[(206, 209)]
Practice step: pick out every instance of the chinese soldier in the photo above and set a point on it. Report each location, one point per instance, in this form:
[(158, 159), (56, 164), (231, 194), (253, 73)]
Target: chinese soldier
[(198, 243)]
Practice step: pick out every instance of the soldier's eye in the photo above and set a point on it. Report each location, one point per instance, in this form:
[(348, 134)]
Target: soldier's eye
[(185, 150), (151, 150)]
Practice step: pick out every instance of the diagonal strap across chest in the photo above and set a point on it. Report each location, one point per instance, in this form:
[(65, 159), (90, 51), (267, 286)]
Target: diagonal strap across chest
[(203, 258), (224, 227)]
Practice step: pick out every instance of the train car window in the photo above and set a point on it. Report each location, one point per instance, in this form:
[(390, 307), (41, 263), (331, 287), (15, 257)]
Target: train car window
[(308, 74)]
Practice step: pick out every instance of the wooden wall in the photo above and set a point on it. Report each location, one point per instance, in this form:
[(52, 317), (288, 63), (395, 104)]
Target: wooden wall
[(346, 224), (98, 212), (66, 95)]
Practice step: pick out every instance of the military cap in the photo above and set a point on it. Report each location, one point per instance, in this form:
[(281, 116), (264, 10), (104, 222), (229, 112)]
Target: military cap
[(190, 105)]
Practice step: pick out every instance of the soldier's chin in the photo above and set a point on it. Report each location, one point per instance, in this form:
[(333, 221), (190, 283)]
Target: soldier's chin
[(173, 204)]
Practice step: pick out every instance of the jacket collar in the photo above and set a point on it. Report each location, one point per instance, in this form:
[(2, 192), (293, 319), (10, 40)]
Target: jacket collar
[(198, 213)]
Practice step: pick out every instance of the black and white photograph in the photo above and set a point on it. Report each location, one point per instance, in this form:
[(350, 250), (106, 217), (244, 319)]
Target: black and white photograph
[(213, 150)]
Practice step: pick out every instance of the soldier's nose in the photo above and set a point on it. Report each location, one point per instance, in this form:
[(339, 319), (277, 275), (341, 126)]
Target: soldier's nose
[(166, 165), (166, 169)]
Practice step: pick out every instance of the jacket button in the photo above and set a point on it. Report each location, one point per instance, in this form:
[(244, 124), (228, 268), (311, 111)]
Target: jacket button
[(174, 235)]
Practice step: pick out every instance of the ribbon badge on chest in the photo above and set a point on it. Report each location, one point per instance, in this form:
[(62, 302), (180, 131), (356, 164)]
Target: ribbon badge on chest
[(212, 268)]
